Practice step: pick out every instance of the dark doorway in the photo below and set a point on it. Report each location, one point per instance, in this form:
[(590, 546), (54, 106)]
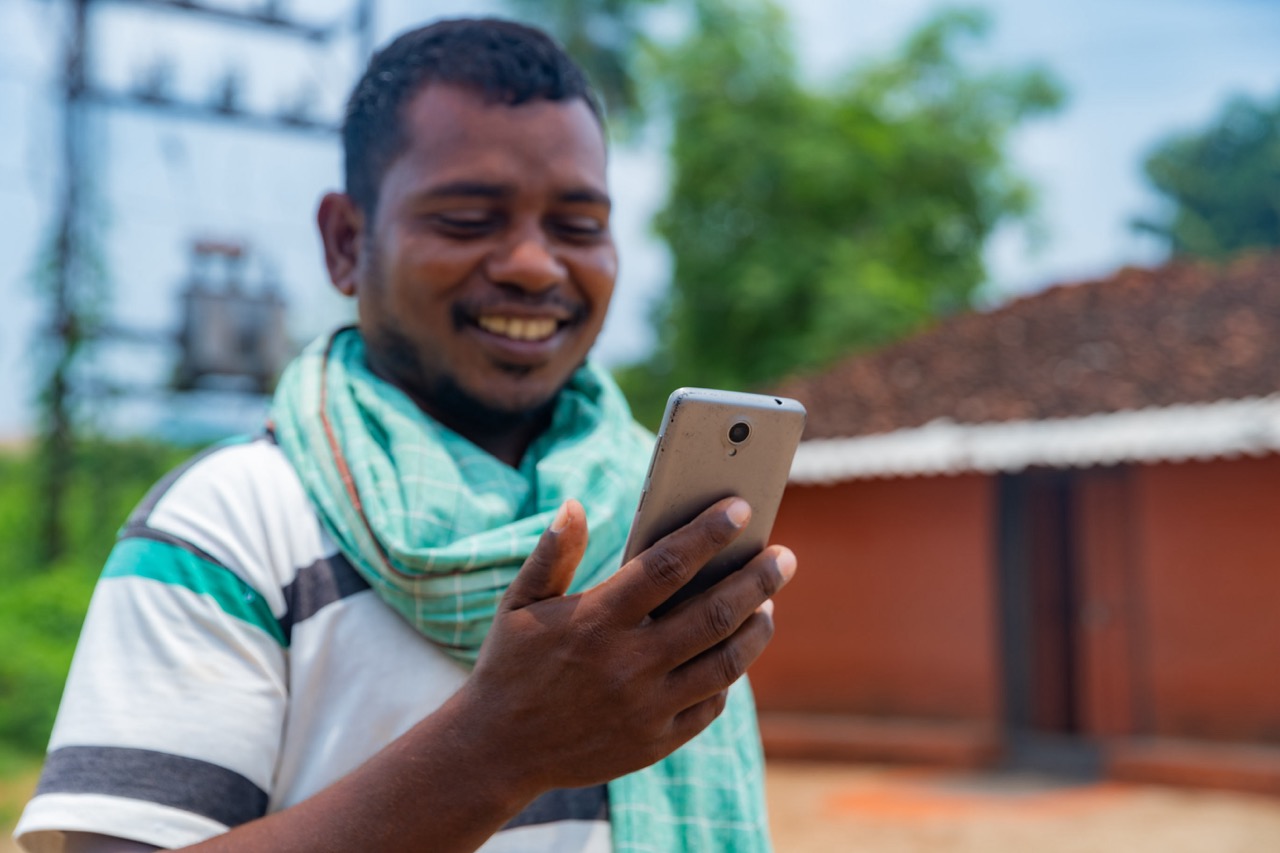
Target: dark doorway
[(1040, 612)]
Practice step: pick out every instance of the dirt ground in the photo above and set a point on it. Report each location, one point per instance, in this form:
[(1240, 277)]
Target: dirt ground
[(816, 808)]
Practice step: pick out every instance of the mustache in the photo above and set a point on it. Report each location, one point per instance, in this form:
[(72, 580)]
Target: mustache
[(563, 309)]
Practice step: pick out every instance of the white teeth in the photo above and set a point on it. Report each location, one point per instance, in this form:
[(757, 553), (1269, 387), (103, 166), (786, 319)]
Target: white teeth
[(518, 328)]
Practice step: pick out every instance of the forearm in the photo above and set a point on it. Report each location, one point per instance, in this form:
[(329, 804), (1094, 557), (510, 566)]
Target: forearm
[(446, 784)]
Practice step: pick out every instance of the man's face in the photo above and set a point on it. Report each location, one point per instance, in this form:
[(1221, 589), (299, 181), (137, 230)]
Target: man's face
[(486, 273)]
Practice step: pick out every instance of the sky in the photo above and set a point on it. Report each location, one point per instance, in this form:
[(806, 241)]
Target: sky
[(1134, 70)]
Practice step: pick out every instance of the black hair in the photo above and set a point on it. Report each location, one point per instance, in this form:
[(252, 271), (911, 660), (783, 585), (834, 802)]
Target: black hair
[(502, 61)]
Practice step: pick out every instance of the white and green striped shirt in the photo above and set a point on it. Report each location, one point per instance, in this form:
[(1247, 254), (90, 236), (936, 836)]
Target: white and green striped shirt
[(233, 664)]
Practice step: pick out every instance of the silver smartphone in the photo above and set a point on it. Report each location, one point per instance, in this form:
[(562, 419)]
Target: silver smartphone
[(713, 444)]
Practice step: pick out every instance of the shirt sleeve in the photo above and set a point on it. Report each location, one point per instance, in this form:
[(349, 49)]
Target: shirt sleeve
[(171, 722)]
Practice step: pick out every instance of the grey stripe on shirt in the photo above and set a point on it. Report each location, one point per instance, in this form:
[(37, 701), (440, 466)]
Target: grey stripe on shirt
[(227, 797), (324, 582), (158, 777)]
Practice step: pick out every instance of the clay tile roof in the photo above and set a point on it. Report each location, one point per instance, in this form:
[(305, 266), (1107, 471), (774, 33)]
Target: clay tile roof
[(1183, 333)]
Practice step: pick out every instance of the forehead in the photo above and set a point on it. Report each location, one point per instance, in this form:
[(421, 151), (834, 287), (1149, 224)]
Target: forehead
[(453, 134)]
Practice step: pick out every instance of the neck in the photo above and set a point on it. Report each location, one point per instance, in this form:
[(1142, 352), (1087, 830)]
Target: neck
[(504, 434), (505, 437)]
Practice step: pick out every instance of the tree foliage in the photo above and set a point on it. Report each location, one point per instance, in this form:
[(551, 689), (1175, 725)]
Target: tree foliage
[(1222, 183), (605, 37), (806, 224)]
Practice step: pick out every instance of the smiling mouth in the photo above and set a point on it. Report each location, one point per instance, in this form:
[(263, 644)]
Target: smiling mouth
[(519, 328)]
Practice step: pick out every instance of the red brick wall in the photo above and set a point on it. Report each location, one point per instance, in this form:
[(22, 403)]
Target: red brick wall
[(1209, 576), (893, 609)]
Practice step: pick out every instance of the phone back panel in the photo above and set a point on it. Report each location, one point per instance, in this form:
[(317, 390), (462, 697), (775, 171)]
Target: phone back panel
[(696, 462)]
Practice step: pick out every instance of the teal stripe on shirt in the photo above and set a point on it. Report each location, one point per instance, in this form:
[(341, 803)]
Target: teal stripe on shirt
[(161, 561)]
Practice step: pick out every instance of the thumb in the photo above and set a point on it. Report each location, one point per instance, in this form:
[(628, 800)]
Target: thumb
[(550, 568)]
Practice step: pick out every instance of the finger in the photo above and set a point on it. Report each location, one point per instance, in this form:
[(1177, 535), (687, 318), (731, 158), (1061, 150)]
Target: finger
[(654, 576), (719, 667), (690, 722), (549, 569), (707, 619)]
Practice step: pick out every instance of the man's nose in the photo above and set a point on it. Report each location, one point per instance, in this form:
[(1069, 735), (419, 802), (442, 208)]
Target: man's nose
[(527, 262)]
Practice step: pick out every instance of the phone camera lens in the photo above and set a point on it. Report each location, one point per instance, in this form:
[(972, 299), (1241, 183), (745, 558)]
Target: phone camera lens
[(739, 432)]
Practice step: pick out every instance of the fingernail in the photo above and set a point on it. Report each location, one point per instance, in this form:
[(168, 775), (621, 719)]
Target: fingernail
[(739, 511), (767, 607), (561, 521), (786, 563)]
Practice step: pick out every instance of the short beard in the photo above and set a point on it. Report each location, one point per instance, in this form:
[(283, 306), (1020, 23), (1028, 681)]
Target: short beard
[(442, 397), (447, 401)]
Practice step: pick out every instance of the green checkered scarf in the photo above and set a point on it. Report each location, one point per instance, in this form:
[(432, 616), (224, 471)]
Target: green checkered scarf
[(439, 528)]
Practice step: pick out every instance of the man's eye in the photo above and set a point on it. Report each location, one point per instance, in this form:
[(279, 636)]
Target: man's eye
[(581, 227), (465, 223)]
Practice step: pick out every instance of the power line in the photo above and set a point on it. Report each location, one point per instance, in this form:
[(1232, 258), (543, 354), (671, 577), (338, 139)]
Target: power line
[(265, 18), (195, 111)]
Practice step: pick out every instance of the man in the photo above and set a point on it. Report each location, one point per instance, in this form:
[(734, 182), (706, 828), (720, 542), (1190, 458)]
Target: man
[(384, 626)]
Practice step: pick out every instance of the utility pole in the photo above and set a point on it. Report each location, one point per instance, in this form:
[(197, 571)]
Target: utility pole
[(67, 271), (73, 295)]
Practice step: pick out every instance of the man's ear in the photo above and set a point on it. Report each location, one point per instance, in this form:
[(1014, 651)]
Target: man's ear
[(342, 226)]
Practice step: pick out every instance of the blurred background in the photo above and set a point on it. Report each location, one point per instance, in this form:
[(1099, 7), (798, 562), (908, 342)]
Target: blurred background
[(1017, 259)]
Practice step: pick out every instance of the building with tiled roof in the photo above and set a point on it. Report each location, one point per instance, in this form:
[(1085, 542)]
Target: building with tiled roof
[(1172, 363), (1045, 534)]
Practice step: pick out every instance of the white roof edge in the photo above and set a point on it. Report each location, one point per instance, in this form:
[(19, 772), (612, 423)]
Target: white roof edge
[(1229, 428)]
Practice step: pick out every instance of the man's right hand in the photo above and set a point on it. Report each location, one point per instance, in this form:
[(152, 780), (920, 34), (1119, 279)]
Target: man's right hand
[(573, 690)]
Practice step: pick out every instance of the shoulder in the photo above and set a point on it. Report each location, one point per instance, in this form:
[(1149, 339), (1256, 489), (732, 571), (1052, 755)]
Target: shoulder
[(239, 505), (231, 479)]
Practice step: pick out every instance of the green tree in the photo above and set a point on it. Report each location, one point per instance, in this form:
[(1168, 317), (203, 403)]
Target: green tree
[(606, 37), (807, 224), (1222, 183)]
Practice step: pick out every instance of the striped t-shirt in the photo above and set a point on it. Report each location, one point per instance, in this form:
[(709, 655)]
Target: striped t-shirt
[(232, 664)]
